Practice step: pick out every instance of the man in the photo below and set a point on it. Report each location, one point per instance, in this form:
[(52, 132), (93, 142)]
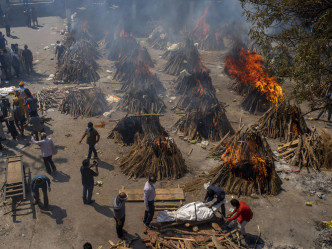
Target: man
[(19, 117), (37, 125), (242, 213), (27, 16), (11, 121), (20, 100), (31, 103), (28, 58), (87, 179), (59, 50), (119, 207), (3, 42), (6, 24), (149, 196), (327, 107), (21, 89), (215, 192), (15, 62), (40, 181), (92, 137), (34, 17), (47, 147)]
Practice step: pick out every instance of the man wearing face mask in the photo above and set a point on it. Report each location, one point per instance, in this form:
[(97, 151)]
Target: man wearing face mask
[(92, 137)]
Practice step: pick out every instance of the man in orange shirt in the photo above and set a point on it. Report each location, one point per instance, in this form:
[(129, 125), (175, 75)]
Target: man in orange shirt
[(242, 213)]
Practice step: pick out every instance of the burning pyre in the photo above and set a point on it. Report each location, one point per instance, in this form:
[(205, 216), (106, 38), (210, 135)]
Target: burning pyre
[(159, 38), (124, 45), (78, 64), (261, 89), (84, 101), (208, 37), (284, 121), (247, 168)]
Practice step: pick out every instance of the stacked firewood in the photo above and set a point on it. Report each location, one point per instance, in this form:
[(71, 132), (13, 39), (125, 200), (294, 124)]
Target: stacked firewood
[(160, 39), (129, 128), (185, 58), (247, 168), (310, 150), (79, 64), (211, 123), (122, 46), (50, 97), (284, 121), (212, 41), (86, 102), (151, 155), (255, 102)]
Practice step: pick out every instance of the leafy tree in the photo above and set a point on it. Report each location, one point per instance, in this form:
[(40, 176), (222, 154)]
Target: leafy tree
[(296, 38)]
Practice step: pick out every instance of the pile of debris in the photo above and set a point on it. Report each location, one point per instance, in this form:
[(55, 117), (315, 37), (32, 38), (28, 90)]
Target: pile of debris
[(261, 89), (154, 155), (128, 128), (124, 45), (247, 168), (208, 37), (84, 101), (185, 58), (310, 150), (79, 64), (284, 121)]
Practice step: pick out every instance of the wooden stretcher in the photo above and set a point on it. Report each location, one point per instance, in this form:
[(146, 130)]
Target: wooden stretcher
[(16, 179)]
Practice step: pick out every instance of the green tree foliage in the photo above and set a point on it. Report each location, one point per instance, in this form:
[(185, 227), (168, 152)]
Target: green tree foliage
[(296, 38)]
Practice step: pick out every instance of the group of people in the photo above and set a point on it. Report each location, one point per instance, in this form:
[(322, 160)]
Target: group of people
[(17, 115), (13, 60), (30, 16)]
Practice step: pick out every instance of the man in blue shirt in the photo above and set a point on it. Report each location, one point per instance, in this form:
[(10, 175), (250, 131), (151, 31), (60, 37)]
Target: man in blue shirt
[(40, 181), (215, 192)]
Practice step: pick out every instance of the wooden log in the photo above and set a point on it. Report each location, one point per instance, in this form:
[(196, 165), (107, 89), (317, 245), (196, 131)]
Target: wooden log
[(216, 242), (224, 236)]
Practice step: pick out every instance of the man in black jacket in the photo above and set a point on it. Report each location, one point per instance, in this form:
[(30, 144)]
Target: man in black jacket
[(87, 179)]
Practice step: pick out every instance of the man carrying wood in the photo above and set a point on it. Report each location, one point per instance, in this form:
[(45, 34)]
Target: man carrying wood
[(87, 179), (149, 196), (215, 192), (242, 213), (92, 137), (40, 181), (119, 207)]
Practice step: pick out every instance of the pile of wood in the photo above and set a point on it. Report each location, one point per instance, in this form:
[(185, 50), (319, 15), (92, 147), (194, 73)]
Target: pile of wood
[(284, 121), (126, 67), (247, 168), (159, 38), (212, 41), (79, 64), (143, 100), (129, 128), (255, 102), (122, 46), (199, 234), (84, 101), (210, 123), (50, 97), (185, 58), (310, 150), (154, 155)]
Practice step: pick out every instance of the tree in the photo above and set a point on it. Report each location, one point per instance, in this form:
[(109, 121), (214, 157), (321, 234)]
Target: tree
[(296, 38)]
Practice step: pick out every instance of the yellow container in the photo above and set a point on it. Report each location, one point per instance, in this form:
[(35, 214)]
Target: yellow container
[(308, 203)]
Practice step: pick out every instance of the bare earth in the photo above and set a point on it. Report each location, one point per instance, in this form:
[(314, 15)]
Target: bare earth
[(284, 220)]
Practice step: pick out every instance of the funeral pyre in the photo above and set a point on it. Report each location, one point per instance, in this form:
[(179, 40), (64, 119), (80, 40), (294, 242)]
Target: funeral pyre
[(253, 80), (207, 35), (160, 38), (124, 45), (184, 57), (247, 168), (284, 121), (128, 128), (310, 150), (78, 64), (84, 101), (153, 152)]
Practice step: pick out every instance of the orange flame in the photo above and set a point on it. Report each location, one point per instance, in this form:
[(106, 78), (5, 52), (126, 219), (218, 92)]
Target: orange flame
[(294, 128), (200, 88), (123, 34), (202, 27), (83, 26), (142, 67), (249, 70)]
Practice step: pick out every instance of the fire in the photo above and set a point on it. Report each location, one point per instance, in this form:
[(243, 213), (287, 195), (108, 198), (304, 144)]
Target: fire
[(294, 128), (123, 34), (200, 88), (202, 27), (199, 68), (143, 68), (83, 26), (247, 67)]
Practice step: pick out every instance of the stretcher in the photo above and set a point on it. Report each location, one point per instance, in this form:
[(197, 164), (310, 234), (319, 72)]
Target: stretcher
[(17, 180)]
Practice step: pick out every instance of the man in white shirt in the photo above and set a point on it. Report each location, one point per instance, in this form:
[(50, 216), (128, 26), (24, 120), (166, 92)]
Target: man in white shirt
[(149, 196)]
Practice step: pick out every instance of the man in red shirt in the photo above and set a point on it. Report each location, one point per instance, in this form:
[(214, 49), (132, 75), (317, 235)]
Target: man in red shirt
[(242, 213)]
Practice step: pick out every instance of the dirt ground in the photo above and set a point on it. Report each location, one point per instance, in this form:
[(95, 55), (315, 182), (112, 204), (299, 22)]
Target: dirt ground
[(284, 219)]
